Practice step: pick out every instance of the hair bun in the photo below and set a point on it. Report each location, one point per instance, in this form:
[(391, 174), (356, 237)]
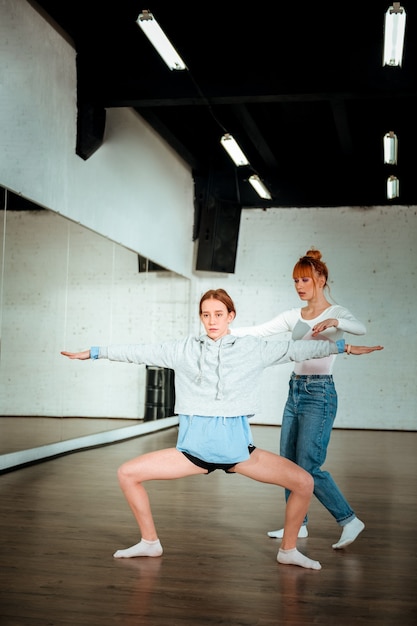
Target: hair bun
[(314, 254)]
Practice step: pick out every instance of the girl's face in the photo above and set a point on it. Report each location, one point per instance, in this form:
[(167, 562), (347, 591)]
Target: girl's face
[(215, 318)]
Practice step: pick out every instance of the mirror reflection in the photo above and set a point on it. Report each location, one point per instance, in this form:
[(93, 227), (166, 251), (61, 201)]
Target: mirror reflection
[(66, 287)]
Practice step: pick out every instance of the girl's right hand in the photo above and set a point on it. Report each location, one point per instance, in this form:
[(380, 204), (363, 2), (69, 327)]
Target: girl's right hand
[(85, 354)]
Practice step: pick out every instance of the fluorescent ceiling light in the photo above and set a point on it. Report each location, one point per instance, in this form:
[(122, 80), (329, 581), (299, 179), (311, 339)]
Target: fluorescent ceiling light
[(393, 187), (233, 149), (390, 148), (394, 35), (160, 41), (259, 187)]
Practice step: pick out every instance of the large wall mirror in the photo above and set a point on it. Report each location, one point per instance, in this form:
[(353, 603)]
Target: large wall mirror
[(65, 287)]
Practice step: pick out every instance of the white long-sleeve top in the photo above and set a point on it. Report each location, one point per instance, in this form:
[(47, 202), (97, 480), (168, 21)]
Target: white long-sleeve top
[(292, 321)]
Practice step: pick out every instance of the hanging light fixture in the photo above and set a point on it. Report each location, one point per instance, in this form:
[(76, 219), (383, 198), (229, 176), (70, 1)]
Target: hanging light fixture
[(394, 32), (390, 148), (234, 151), (393, 187), (160, 41), (259, 187)]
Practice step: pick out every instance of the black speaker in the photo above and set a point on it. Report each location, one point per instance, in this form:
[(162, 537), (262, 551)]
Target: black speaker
[(91, 122), (218, 236)]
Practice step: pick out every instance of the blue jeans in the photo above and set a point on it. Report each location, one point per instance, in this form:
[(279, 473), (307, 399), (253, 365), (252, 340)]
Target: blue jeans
[(307, 424)]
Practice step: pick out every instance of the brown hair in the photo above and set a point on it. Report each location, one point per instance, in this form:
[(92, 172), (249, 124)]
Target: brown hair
[(311, 265), (222, 296)]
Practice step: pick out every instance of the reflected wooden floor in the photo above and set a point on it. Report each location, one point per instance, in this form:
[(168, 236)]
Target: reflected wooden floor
[(20, 433), (61, 520)]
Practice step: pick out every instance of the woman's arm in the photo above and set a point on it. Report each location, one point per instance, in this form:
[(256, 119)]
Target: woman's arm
[(282, 323), (344, 321)]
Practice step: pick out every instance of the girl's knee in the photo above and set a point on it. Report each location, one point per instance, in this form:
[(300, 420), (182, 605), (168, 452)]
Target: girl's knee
[(124, 473), (130, 472)]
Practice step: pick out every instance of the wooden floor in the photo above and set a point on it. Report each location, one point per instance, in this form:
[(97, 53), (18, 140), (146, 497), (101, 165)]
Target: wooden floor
[(61, 520)]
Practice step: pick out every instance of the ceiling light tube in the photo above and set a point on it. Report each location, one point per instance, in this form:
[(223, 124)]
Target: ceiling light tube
[(394, 35), (390, 148), (259, 187), (160, 41), (233, 149), (393, 187)]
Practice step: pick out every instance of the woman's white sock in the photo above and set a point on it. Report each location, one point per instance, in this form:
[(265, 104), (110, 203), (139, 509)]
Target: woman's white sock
[(349, 533), (278, 534)]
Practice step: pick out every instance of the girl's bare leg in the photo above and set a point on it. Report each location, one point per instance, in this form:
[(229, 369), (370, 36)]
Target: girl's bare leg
[(271, 468), (160, 465)]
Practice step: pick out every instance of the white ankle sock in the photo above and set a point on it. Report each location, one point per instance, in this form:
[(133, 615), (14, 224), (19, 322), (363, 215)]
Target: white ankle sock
[(349, 533), (278, 534), (143, 548), (293, 557)]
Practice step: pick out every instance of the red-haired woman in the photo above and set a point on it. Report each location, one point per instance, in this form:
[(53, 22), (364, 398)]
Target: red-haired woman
[(311, 405)]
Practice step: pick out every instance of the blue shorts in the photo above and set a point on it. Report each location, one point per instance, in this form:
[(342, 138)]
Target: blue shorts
[(224, 440)]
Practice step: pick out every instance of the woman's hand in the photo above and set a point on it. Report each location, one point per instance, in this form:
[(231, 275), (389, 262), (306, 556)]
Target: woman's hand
[(318, 328), (85, 354), (361, 349)]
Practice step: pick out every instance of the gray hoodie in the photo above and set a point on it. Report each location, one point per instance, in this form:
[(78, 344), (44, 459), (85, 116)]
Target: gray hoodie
[(218, 378)]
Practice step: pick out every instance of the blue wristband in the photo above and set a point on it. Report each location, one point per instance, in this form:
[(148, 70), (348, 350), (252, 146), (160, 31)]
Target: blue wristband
[(94, 352), (340, 345)]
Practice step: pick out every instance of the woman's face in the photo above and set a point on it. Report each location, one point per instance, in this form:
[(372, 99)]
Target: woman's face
[(308, 287), (215, 318)]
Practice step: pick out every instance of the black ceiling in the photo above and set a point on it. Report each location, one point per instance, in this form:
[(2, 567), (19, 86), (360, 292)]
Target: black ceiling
[(300, 85)]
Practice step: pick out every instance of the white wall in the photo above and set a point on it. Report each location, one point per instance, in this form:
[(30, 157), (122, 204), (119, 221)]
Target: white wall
[(134, 189), (66, 287), (371, 255)]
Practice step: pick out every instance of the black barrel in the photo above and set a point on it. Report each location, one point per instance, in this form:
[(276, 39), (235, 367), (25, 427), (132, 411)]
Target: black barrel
[(160, 394)]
